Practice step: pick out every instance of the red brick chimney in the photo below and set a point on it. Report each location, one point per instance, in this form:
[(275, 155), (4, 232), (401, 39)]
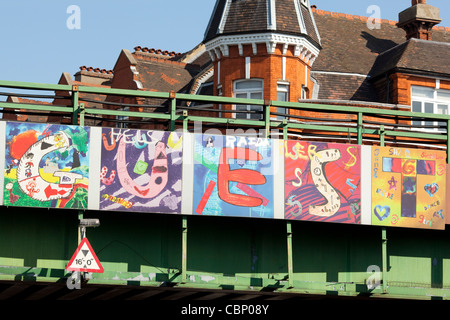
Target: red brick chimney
[(419, 20)]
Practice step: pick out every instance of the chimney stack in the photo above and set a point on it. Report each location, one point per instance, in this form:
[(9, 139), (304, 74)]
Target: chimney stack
[(419, 20)]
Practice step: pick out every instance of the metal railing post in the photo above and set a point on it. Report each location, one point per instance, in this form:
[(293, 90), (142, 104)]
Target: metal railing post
[(75, 101), (267, 118), (360, 128), (173, 109), (382, 135)]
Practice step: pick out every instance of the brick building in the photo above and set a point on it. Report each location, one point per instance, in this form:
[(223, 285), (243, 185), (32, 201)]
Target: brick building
[(290, 51)]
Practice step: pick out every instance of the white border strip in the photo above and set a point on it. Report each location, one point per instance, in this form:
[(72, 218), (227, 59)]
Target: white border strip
[(366, 185), (187, 178), (95, 155), (278, 178)]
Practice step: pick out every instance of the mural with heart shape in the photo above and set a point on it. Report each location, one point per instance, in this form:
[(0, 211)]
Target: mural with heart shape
[(431, 189), (408, 187)]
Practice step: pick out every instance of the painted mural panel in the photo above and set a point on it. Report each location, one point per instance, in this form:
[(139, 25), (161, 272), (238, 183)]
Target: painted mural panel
[(408, 187), (141, 170), (46, 165), (233, 176), (322, 182)]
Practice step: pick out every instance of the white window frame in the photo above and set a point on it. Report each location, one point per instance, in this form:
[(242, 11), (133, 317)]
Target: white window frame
[(433, 101), (247, 94), (282, 87)]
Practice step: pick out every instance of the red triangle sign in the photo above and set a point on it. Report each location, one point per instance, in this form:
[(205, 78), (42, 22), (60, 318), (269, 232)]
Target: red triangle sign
[(84, 259)]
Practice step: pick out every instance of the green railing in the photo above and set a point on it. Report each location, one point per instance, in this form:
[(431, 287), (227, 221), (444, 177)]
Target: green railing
[(351, 121)]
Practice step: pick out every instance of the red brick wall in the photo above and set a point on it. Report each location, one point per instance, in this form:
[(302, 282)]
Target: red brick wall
[(265, 66), (401, 86)]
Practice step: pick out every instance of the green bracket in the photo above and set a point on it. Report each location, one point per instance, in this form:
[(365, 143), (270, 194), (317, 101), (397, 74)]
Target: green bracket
[(360, 128), (382, 134), (185, 120), (75, 104), (82, 114), (290, 255), (173, 109)]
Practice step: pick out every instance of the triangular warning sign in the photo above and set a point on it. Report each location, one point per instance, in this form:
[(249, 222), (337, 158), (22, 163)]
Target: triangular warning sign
[(84, 259)]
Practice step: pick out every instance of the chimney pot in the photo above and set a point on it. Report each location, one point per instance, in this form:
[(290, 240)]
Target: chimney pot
[(419, 20), (414, 2)]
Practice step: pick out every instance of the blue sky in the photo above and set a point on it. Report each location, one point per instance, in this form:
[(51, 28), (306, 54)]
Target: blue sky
[(37, 45)]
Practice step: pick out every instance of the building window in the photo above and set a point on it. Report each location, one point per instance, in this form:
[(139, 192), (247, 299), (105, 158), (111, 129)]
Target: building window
[(304, 95), (249, 89), (430, 100), (282, 95)]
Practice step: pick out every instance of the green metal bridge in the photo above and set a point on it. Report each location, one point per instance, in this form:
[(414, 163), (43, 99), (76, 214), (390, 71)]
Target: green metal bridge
[(176, 257)]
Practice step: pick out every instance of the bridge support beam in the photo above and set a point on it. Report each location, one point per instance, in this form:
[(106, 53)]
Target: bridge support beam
[(184, 249), (290, 255), (384, 258)]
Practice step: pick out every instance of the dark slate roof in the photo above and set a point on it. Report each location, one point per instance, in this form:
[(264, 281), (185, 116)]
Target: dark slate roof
[(349, 46), (345, 87), (352, 54), (252, 16), (214, 22), (309, 20), (415, 56), (165, 75), (246, 16)]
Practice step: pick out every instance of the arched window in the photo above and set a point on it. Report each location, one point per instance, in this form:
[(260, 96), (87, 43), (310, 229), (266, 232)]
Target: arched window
[(249, 89)]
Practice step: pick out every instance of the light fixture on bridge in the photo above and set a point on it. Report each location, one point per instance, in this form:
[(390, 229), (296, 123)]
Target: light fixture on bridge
[(89, 223), (86, 223)]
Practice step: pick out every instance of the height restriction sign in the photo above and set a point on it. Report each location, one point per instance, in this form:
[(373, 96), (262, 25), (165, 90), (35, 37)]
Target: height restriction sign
[(84, 259)]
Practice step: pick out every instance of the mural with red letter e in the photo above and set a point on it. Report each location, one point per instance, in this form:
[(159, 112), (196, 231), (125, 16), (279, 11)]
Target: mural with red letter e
[(233, 176)]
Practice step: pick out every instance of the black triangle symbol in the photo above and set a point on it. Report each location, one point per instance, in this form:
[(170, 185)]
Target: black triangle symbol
[(85, 252), (45, 145), (161, 156)]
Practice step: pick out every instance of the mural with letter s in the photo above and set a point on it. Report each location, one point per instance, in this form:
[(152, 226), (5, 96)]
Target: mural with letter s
[(322, 182), (233, 176), (140, 170), (408, 187), (46, 165)]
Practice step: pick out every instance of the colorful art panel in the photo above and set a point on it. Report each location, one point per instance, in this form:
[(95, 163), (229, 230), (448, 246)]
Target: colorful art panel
[(141, 170), (233, 176), (322, 182), (46, 165), (408, 187)]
